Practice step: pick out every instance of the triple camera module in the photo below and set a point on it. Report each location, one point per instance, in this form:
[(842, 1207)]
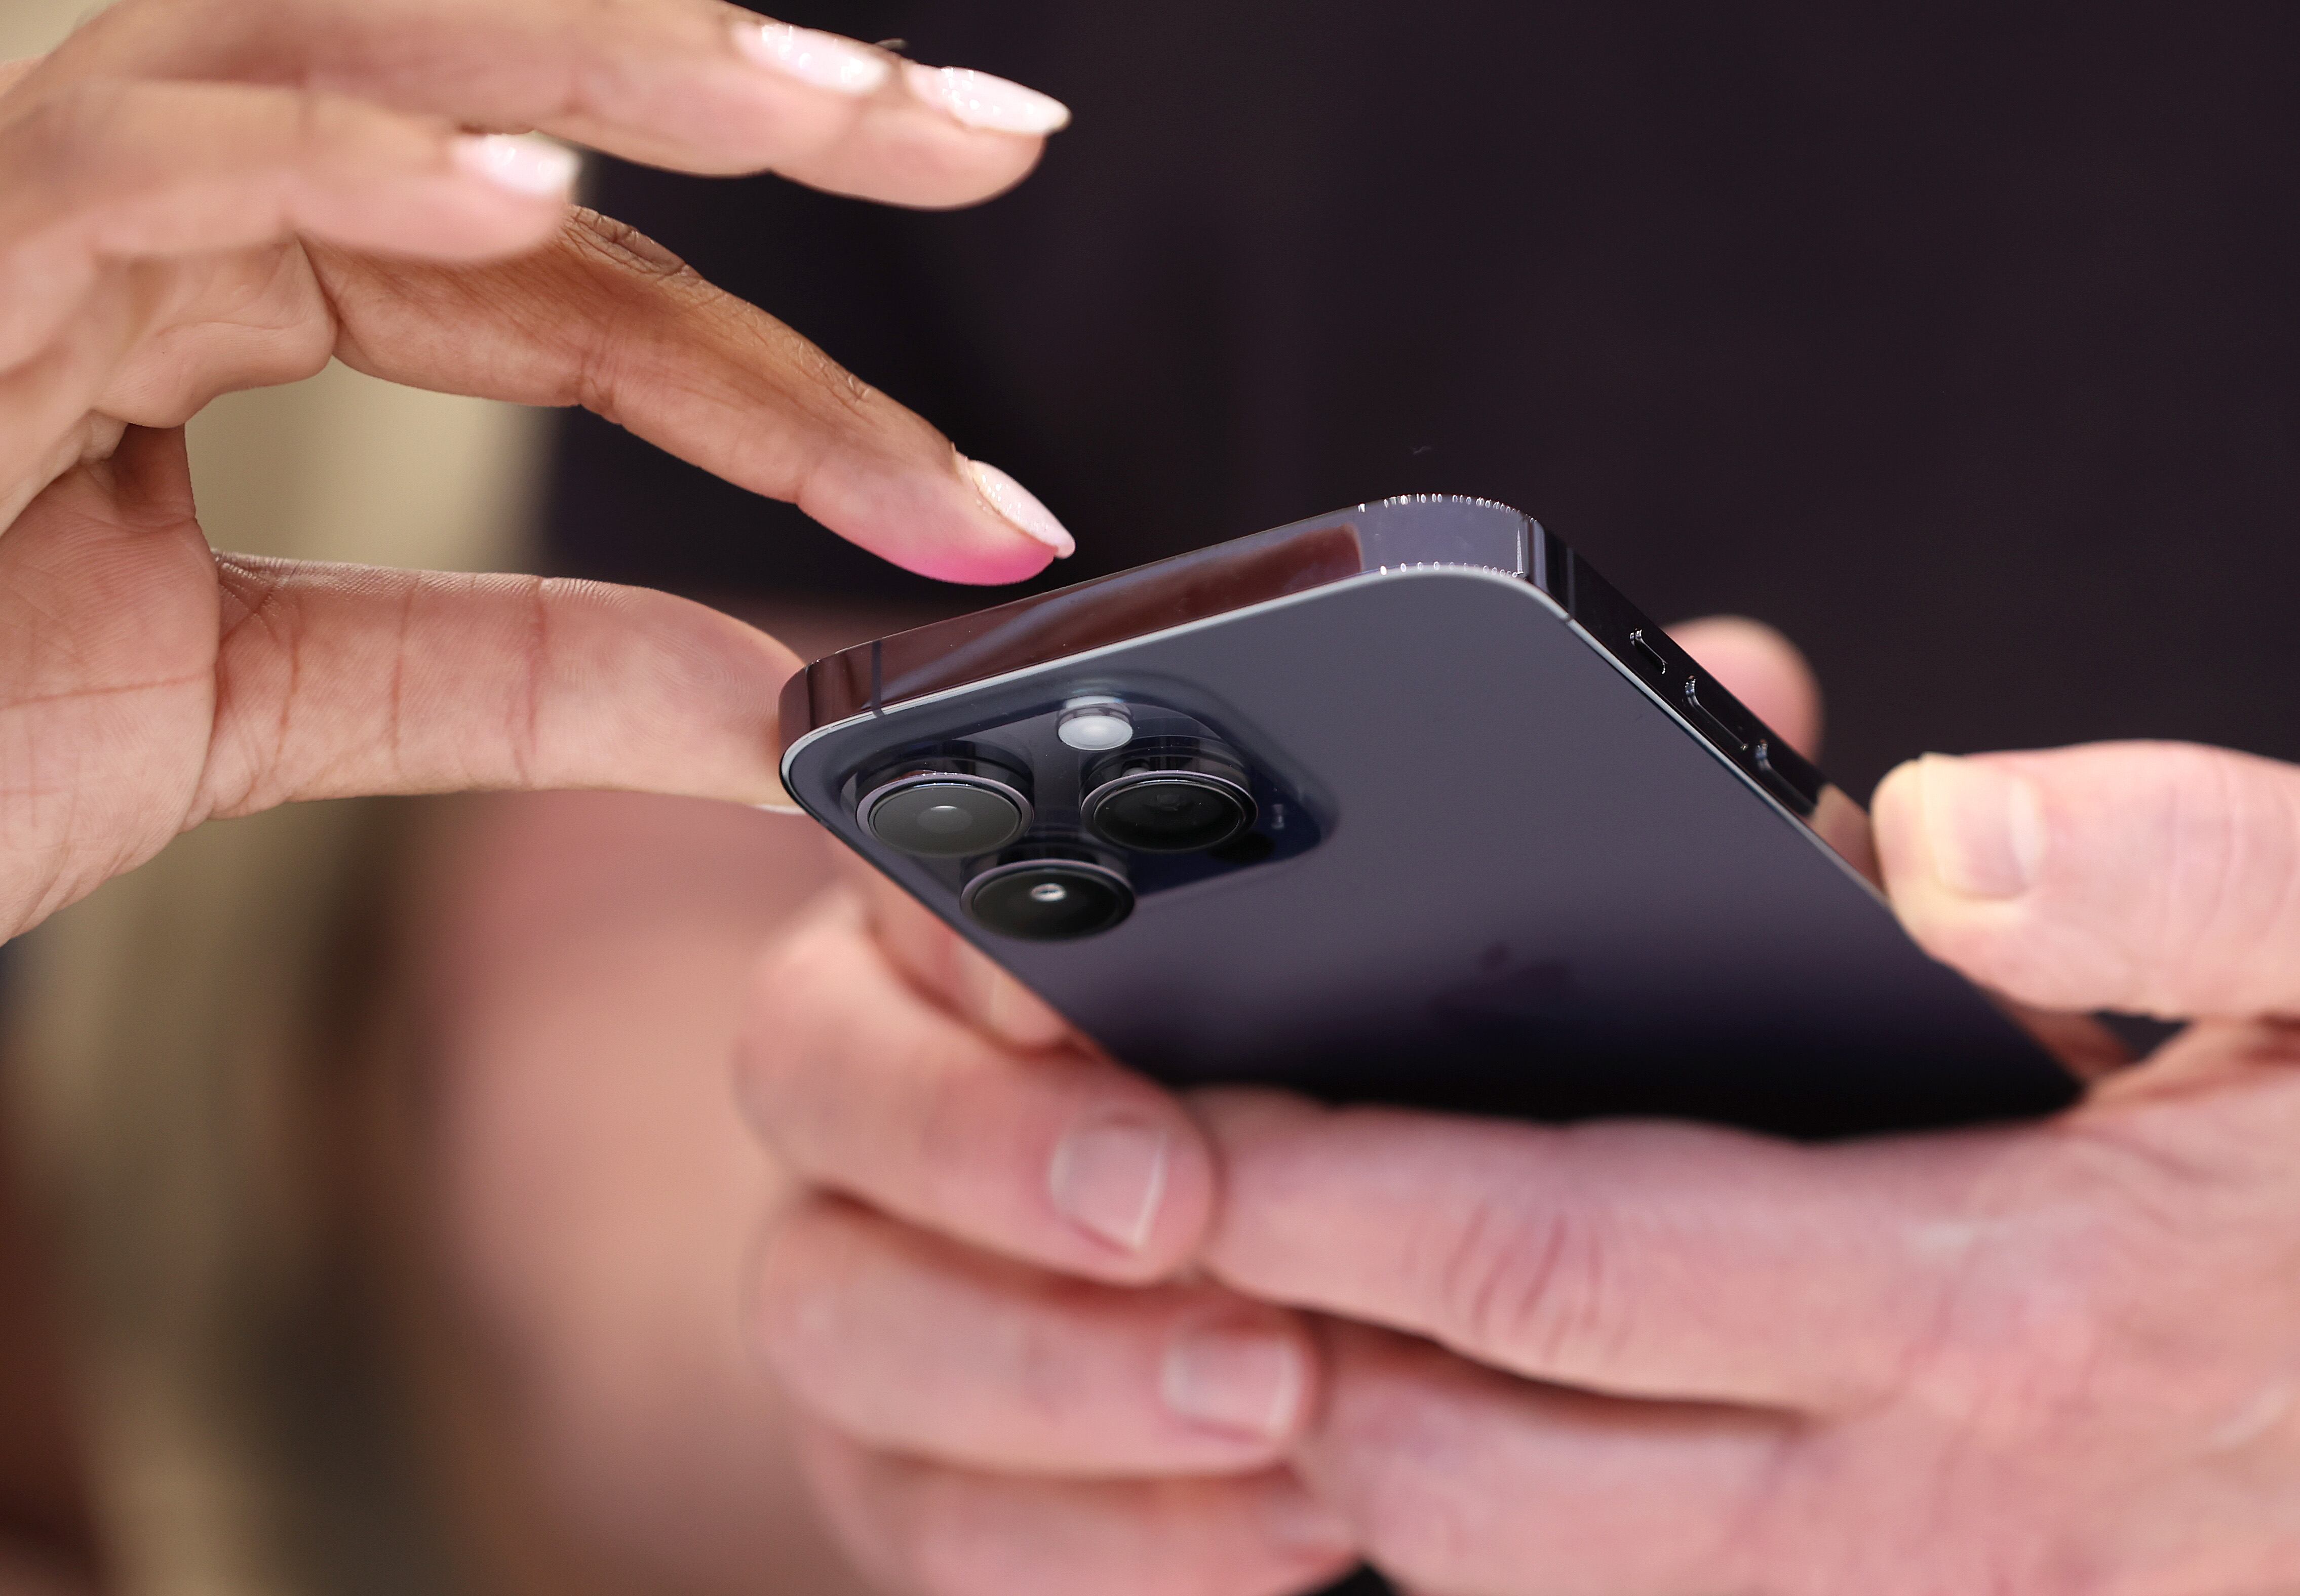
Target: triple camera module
[(1054, 831)]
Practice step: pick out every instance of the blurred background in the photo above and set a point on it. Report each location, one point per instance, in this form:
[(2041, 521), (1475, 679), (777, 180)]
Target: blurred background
[(160, 1102), (377, 1155)]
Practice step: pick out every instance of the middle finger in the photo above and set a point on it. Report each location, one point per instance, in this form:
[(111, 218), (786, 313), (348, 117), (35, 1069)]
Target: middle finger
[(691, 84)]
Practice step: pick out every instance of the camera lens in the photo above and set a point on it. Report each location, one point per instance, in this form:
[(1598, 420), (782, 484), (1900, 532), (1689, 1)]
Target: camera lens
[(1049, 899), (1175, 795), (948, 807)]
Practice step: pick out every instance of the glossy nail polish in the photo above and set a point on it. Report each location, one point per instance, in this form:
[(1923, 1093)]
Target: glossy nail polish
[(1018, 506), (823, 60), (525, 163), (980, 100)]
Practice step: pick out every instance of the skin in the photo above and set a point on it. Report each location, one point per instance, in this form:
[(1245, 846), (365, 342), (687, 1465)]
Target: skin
[(203, 196), (579, 967), (1618, 1358), (579, 971), (197, 195)]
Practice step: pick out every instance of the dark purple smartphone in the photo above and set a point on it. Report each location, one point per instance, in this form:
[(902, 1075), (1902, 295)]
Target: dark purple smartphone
[(1402, 803)]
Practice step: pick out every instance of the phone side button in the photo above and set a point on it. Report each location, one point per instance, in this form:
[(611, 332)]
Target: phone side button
[(1723, 734), (1781, 787), (1647, 655)]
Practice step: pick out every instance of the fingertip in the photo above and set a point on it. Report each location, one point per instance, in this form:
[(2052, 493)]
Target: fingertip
[(1018, 507), (1892, 825), (1969, 827), (524, 165), (1911, 814), (1134, 1179), (1247, 1370), (985, 102), (930, 510)]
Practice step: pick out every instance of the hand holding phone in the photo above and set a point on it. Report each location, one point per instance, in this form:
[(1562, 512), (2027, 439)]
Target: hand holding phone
[(1405, 804), (1960, 1359), (982, 1163)]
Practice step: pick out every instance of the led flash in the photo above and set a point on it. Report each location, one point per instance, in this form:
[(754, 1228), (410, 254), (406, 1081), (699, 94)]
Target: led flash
[(1095, 725)]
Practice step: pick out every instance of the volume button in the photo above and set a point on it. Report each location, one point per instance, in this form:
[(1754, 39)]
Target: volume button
[(1778, 784), (1699, 713)]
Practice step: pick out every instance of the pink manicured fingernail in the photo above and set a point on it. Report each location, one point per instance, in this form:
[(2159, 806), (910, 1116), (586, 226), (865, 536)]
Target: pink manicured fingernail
[(1020, 506), (1249, 1381), (1108, 1178), (1985, 826), (979, 100), (522, 163), (824, 60)]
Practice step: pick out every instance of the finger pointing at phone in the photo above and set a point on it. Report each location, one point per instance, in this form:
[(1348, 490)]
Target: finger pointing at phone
[(204, 196)]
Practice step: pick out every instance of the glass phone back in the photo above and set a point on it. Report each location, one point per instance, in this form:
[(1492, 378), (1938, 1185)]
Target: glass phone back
[(1532, 889)]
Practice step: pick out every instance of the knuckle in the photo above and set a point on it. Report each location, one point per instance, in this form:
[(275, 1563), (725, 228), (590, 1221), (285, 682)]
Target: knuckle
[(848, 395), (604, 241), (622, 277), (535, 655), (1528, 1281), (260, 673)]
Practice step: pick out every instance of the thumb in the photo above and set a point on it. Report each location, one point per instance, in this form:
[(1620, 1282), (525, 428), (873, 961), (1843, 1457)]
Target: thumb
[(147, 684), (2151, 877), (337, 680)]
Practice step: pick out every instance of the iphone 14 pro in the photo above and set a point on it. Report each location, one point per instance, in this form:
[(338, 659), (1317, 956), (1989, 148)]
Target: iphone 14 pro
[(1402, 803)]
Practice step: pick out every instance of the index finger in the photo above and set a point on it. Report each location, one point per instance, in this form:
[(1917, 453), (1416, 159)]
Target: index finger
[(865, 1085), (691, 84), (1637, 1259), (608, 320)]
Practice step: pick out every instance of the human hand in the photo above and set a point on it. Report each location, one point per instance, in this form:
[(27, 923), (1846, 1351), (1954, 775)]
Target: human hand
[(2048, 1358), (197, 195), (1015, 1386), (1657, 1357)]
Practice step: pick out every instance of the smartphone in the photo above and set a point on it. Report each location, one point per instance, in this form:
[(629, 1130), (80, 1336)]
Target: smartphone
[(1402, 803)]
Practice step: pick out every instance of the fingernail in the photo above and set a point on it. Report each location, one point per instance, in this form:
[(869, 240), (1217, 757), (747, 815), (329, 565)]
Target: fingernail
[(1020, 508), (523, 163), (979, 100), (1247, 1381), (824, 60), (1108, 1178), (1985, 826)]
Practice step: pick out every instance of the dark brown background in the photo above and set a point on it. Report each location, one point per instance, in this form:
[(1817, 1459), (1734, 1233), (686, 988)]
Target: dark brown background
[(1959, 344)]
